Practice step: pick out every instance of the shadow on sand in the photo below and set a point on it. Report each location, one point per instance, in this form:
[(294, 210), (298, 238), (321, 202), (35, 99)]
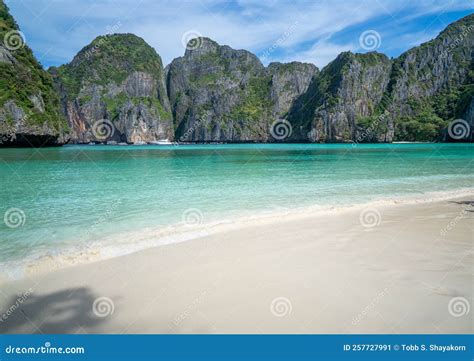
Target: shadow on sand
[(65, 311), (465, 203)]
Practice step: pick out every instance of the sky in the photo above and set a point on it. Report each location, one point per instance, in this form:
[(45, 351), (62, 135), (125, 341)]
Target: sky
[(308, 31)]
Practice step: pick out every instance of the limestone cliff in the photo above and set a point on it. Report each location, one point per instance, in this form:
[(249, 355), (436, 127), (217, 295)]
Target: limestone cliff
[(29, 106), (221, 94), (416, 97), (339, 99), (114, 90)]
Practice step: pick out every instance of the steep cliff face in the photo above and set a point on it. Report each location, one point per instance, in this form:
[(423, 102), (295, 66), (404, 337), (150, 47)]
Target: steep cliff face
[(114, 90), (288, 81), (340, 99), (221, 94), (431, 84), (29, 106), (369, 98)]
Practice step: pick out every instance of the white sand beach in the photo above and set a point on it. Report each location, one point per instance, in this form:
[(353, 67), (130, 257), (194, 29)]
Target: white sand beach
[(393, 268)]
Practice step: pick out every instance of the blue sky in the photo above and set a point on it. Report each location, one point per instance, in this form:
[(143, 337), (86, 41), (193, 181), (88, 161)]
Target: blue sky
[(310, 31)]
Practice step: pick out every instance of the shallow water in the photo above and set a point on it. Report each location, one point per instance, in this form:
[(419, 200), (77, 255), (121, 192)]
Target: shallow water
[(76, 195)]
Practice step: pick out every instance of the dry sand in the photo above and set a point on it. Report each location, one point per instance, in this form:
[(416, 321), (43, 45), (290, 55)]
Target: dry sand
[(412, 272)]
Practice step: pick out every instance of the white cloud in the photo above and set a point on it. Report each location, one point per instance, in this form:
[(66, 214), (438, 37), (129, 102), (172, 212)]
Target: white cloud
[(321, 53), (58, 29)]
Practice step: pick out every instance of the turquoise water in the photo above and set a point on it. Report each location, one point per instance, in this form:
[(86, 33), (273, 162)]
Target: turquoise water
[(76, 195)]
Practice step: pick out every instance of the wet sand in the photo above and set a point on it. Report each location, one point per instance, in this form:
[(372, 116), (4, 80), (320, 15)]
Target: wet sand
[(393, 268)]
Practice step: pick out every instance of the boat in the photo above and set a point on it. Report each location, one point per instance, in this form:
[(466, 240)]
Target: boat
[(162, 142)]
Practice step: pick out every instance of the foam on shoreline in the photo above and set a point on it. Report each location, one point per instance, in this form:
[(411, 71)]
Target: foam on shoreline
[(111, 246)]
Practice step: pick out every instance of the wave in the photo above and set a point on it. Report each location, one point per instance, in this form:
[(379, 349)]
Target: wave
[(113, 246)]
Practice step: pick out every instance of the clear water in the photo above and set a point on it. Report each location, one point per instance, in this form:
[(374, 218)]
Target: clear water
[(75, 195)]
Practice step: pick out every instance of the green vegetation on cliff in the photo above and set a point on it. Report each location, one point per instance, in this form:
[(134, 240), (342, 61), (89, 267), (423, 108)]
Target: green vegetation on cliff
[(255, 103), (432, 83), (220, 93), (120, 78), (109, 58), (23, 80), (223, 94)]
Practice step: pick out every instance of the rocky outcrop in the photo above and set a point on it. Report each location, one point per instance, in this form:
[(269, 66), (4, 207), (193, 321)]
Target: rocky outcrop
[(114, 91), (219, 94), (369, 98), (29, 106), (288, 82), (340, 98), (435, 67), (431, 85)]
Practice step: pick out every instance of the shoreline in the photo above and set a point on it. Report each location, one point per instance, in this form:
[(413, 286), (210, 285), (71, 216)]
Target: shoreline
[(180, 144), (107, 247), (329, 273), (177, 143)]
